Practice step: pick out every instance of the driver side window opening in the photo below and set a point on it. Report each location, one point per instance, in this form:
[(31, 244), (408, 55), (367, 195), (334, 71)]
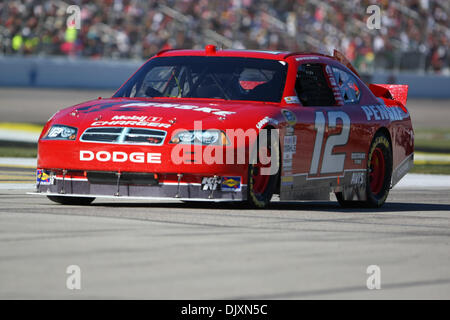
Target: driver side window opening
[(312, 86), (348, 86)]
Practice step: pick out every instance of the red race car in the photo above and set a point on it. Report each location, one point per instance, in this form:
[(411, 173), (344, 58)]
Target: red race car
[(232, 125)]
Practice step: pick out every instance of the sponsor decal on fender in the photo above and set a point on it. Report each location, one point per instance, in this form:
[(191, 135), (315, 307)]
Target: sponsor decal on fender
[(357, 157), (119, 156), (290, 144), (357, 178), (382, 112), (289, 147), (265, 121), (290, 117), (289, 131), (292, 100)]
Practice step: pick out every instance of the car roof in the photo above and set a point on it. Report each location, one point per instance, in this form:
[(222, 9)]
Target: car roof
[(275, 55), (211, 50)]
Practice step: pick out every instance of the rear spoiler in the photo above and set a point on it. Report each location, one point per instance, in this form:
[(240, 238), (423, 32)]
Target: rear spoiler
[(398, 92)]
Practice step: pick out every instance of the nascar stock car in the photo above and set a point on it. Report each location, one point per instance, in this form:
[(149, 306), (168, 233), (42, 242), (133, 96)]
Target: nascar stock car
[(232, 125)]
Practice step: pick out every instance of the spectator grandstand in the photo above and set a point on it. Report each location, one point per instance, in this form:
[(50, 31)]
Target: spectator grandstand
[(414, 34)]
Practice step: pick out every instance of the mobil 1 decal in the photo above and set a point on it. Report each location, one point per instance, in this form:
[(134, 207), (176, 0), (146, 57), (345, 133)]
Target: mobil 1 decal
[(331, 162)]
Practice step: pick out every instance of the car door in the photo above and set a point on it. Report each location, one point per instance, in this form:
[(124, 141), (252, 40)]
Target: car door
[(323, 131)]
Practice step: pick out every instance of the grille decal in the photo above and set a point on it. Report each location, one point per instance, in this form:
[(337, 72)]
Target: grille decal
[(124, 135)]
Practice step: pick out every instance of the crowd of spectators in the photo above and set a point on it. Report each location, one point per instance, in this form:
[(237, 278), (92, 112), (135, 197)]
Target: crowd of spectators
[(413, 34)]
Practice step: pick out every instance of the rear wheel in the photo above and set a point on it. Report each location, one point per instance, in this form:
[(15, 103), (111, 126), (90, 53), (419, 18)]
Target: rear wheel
[(81, 201), (379, 173), (261, 185)]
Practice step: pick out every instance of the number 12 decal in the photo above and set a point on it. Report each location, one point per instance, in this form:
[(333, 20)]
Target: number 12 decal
[(331, 162)]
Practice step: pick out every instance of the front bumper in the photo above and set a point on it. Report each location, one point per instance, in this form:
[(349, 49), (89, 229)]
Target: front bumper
[(194, 188)]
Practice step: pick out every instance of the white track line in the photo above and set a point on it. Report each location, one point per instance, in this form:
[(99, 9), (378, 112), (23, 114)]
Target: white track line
[(420, 181), (19, 135), (18, 162), (17, 186)]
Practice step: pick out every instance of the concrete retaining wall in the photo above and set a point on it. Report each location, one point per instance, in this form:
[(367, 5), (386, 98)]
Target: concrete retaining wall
[(65, 73), (61, 72)]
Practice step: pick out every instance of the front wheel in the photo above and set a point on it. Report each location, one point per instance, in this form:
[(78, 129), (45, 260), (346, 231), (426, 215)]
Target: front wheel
[(80, 201), (263, 176)]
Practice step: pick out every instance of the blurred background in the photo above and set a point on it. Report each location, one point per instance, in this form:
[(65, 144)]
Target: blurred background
[(47, 64), (414, 34)]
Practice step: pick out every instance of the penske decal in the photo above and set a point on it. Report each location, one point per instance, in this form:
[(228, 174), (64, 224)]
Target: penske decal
[(381, 112), (119, 156), (179, 106)]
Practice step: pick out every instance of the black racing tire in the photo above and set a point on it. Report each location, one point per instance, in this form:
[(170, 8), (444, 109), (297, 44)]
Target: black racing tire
[(378, 185), (348, 203), (67, 200), (260, 188), (378, 177)]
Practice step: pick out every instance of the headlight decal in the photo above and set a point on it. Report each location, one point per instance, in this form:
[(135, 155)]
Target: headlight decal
[(61, 132), (201, 137)]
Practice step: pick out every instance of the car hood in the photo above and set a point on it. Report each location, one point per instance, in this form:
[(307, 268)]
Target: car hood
[(166, 113)]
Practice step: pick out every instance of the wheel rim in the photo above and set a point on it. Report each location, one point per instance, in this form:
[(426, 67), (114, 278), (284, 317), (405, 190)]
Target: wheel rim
[(377, 171), (260, 181)]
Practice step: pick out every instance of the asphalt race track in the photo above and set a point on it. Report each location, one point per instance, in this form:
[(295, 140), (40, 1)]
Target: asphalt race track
[(162, 250), (312, 250)]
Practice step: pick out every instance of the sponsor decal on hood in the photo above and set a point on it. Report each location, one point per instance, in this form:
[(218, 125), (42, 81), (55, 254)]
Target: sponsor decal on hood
[(178, 106), (140, 121), (135, 106)]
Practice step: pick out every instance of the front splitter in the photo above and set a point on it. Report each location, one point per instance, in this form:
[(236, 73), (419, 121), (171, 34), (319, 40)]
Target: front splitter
[(169, 191)]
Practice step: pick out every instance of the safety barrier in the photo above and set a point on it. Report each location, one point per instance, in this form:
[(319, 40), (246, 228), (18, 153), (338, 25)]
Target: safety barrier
[(62, 72)]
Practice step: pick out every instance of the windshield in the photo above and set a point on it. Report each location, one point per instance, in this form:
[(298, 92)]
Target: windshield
[(226, 78)]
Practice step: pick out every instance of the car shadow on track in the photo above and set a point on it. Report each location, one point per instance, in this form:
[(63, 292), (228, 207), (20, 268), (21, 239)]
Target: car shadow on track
[(285, 206)]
